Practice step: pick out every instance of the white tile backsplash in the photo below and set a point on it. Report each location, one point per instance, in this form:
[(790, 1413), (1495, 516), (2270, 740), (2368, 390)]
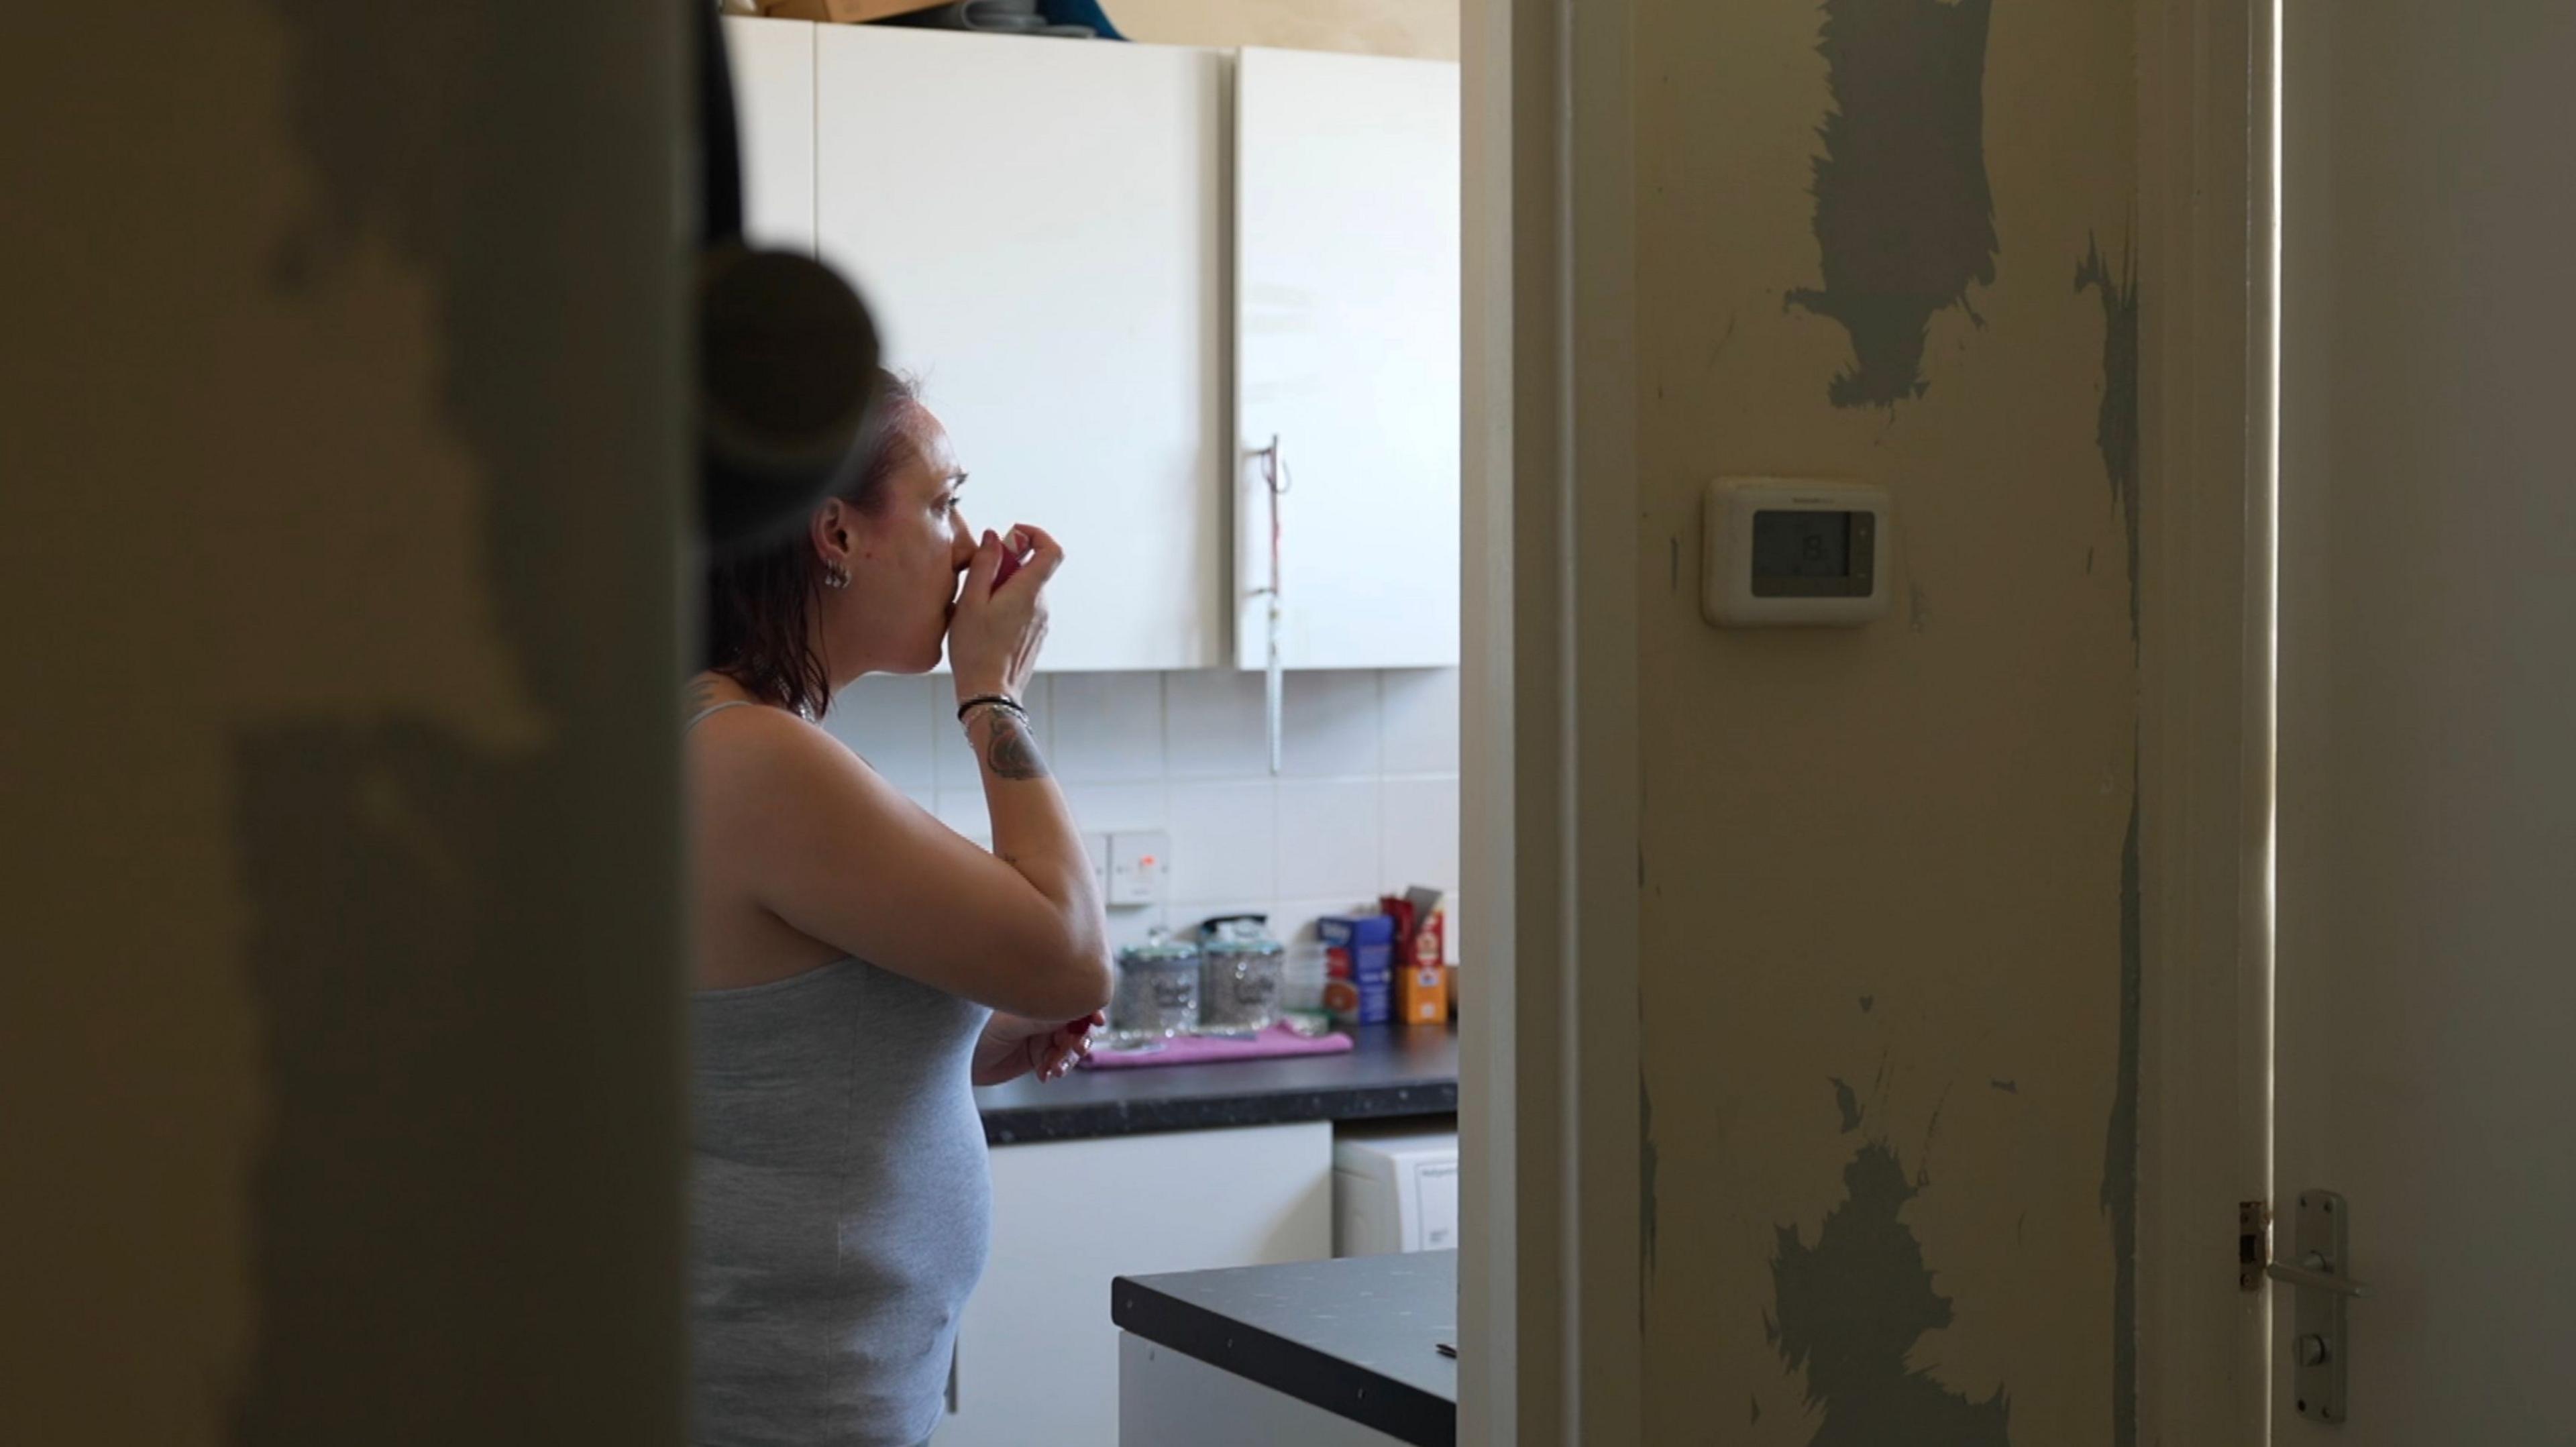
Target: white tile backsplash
[(1327, 838), (1420, 841), (963, 810), (1108, 727), (885, 718), (1109, 808), (1420, 712), (1223, 835), (1214, 725), (1367, 805), (1329, 725)]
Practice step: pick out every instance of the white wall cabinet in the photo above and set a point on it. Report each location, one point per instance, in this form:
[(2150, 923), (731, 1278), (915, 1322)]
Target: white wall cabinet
[(1121, 268), (1347, 352), (1037, 1356), (772, 65), (1038, 226)]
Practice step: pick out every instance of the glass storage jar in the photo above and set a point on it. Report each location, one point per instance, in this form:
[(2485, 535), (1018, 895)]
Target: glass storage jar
[(1157, 992), (1240, 976)]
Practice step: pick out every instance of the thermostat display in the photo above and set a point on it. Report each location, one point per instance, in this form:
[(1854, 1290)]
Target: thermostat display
[(1788, 551)]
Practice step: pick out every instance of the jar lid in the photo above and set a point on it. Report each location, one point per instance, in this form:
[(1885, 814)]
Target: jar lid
[(1257, 945), (1159, 948), (1241, 934)]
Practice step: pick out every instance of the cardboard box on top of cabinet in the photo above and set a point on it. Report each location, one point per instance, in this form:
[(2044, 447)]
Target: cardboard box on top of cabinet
[(846, 12)]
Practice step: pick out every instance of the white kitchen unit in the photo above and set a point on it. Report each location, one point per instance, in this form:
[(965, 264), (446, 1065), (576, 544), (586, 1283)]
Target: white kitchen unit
[(773, 99), (1176, 1400), (1394, 1190), (1347, 353), (1037, 1354), (1038, 227)]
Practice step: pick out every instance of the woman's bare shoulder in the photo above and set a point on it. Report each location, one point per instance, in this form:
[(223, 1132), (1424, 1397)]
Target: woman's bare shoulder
[(767, 763)]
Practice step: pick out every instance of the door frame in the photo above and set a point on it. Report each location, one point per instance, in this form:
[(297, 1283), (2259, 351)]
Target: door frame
[(2208, 155), (1551, 1264)]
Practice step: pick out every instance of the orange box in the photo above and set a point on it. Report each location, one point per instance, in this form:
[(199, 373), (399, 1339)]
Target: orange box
[(1422, 973), (1423, 996)]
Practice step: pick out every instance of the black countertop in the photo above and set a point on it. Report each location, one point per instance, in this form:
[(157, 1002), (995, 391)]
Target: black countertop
[(1395, 1070), (1359, 1337)]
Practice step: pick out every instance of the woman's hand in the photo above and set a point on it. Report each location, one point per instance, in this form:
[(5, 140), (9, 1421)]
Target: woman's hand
[(1014, 1046), (1000, 622)]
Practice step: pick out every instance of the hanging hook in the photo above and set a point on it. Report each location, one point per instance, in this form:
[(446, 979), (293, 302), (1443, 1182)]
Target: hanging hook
[(1274, 466)]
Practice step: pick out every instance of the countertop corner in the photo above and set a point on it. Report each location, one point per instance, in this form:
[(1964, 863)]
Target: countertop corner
[(1359, 1336)]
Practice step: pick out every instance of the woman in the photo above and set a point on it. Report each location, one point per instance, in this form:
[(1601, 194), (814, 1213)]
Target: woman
[(859, 964)]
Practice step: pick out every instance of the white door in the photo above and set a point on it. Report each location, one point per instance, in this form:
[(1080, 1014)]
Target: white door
[(772, 64), (1347, 352), (1037, 225), (2426, 959)]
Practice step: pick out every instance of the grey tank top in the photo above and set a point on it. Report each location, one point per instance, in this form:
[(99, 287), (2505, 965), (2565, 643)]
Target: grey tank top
[(841, 1206)]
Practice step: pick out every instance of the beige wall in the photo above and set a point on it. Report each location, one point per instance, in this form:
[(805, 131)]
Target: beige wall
[(1888, 982), (339, 1031), (1425, 28)]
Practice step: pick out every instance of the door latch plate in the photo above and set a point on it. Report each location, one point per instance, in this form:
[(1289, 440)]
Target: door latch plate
[(2253, 1243), (2319, 1370)]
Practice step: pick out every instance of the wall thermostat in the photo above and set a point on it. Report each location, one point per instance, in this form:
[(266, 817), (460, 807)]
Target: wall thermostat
[(1786, 551)]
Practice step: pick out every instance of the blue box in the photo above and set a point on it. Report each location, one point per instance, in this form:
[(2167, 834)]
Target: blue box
[(1359, 967)]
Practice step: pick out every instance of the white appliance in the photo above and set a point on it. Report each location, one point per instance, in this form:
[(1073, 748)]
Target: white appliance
[(1394, 1191)]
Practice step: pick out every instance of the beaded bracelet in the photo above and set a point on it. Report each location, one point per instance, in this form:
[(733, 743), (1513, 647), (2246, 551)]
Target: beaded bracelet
[(991, 700)]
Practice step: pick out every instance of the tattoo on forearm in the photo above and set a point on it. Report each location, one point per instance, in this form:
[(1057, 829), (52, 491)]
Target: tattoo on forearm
[(1008, 749)]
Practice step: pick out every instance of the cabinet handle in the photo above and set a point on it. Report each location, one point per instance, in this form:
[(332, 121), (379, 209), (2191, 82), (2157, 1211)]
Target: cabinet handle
[(1275, 481)]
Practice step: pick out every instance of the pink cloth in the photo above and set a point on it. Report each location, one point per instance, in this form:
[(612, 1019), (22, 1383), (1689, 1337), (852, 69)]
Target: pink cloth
[(1201, 1049)]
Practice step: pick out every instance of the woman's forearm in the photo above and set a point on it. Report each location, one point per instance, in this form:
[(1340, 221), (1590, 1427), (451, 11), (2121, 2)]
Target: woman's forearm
[(1033, 831)]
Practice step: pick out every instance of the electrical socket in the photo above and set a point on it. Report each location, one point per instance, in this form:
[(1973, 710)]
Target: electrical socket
[(1140, 867)]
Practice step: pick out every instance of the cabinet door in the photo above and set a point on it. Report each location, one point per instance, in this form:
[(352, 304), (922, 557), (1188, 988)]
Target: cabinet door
[(1037, 225), (773, 100), (1347, 352), (1037, 1356)]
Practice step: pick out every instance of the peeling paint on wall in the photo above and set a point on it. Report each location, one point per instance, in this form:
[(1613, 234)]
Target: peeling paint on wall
[(2116, 435), (1904, 219), (1850, 1309), (2120, 1155), (1848, 1103), (2116, 430), (1956, 962), (1645, 1185)]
